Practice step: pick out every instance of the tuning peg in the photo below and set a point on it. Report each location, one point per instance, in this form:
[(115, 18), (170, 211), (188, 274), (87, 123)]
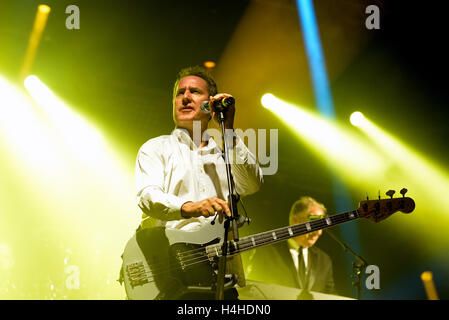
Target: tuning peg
[(378, 194), (403, 192), (390, 193), (367, 196)]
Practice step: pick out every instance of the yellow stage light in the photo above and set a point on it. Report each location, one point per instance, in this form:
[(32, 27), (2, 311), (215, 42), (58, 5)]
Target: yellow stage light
[(209, 64), (79, 135), (427, 181), (6, 257), (40, 21), (357, 119), (268, 100), (85, 206), (337, 146), (44, 9)]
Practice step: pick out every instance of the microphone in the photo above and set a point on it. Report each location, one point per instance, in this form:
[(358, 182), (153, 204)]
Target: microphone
[(219, 105)]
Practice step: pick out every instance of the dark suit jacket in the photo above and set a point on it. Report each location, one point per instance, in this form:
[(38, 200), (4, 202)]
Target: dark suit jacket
[(274, 265)]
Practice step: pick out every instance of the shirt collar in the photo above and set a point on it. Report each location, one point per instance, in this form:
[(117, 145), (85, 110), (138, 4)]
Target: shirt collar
[(293, 245), (182, 136)]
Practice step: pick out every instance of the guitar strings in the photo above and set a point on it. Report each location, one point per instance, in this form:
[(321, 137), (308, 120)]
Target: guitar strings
[(314, 224), (263, 240), (189, 257), (266, 240), (154, 274)]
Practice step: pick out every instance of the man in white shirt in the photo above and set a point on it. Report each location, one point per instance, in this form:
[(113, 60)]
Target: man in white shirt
[(181, 178)]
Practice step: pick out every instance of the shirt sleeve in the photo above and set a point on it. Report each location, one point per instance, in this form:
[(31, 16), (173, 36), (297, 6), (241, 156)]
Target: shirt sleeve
[(246, 171), (149, 178)]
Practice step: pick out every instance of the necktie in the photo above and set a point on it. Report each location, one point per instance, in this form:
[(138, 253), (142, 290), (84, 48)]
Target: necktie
[(302, 269)]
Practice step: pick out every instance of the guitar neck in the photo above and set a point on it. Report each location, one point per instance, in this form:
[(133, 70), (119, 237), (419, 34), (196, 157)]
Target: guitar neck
[(281, 234)]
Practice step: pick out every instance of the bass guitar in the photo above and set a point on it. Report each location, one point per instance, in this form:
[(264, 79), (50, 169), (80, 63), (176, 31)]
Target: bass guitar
[(161, 263)]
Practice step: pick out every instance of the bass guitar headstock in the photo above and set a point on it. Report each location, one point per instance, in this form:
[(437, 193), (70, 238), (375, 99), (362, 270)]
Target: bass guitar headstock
[(378, 210)]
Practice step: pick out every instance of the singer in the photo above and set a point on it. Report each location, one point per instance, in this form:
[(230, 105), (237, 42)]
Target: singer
[(181, 183)]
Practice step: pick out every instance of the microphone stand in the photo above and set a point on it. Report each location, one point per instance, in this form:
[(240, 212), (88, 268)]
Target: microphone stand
[(356, 268), (232, 201)]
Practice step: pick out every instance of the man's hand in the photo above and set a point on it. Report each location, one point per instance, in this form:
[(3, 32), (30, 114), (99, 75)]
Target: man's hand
[(206, 208), (229, 113)]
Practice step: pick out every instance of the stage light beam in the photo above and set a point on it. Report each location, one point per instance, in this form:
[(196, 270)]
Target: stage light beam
[(40, 21), (80, 137), (428, 181), (344, 151), (42, 140)]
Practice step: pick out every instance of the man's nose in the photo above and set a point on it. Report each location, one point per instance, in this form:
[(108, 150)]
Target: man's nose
[(187, 97)]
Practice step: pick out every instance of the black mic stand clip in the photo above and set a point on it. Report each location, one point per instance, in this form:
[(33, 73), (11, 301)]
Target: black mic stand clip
[(357, 268)]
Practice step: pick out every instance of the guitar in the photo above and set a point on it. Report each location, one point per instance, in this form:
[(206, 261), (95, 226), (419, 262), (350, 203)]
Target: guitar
[(161, 263)]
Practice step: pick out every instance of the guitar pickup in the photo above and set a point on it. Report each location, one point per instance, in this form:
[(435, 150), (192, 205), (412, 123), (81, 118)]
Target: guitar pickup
[(137, 274)]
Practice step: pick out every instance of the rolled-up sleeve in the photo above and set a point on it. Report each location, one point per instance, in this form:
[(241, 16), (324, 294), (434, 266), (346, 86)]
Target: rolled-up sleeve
[(246, 171), (152, 199)]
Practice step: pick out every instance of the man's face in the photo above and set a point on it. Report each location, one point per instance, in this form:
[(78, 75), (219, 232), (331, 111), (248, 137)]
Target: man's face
[(191, 91), (311, 238)]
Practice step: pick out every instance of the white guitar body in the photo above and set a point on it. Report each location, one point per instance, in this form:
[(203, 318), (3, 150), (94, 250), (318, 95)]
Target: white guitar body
[(138, 274), (137, 267), (205, 234)]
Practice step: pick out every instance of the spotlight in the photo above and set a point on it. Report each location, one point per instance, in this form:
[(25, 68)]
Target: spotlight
[(209, 64), (43, 8), (357, 119), (268, 100)]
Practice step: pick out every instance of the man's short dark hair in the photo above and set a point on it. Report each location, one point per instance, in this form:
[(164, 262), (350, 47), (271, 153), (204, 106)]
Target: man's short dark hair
[(199, 72)]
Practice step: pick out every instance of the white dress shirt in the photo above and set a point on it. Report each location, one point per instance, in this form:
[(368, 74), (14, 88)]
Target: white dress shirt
[(171, 170), (293, 247)]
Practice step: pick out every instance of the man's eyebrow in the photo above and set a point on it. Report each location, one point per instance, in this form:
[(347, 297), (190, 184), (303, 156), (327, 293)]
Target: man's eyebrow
[(191, 88)]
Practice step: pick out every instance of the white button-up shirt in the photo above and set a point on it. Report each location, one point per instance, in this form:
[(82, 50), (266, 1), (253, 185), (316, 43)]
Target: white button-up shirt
[(171, 170), (293, 247)]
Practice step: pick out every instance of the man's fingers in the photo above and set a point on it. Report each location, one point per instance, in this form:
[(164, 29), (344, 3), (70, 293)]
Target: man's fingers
[(217, 97), (225, 206), (211, 206), (218, 208), (211, 211)]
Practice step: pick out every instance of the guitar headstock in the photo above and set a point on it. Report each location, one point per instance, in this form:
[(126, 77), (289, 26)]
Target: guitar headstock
[(378, 210)]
